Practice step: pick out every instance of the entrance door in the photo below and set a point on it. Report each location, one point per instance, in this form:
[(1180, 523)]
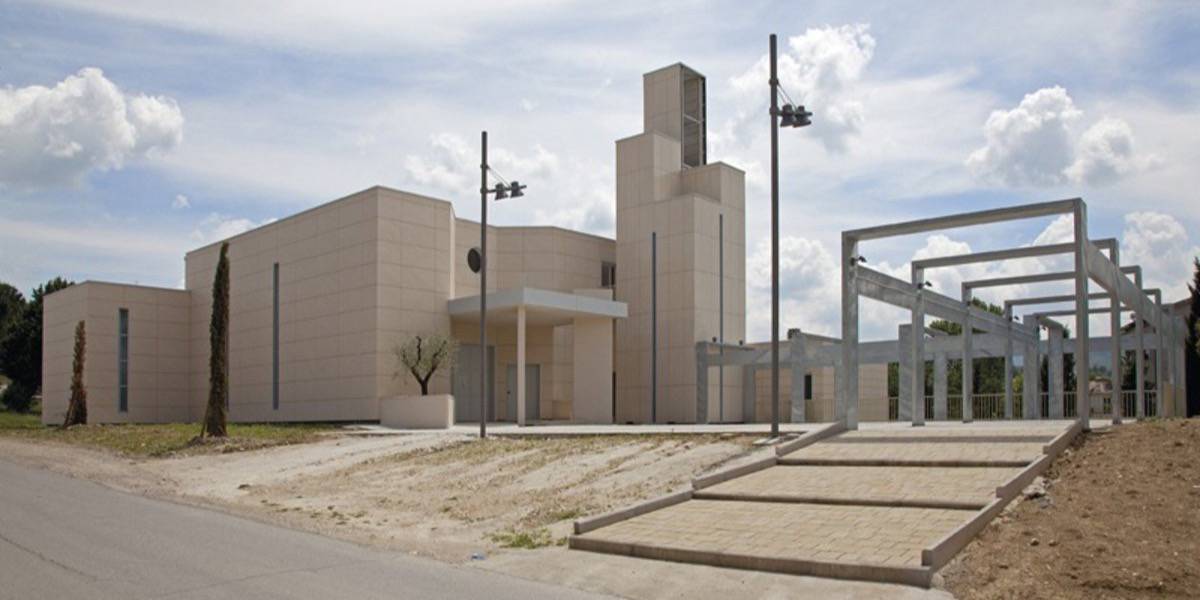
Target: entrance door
[(465, 384), (533, 390)]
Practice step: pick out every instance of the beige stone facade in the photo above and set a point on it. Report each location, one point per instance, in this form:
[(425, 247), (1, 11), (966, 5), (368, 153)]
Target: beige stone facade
[(672, 207), (319, 300)]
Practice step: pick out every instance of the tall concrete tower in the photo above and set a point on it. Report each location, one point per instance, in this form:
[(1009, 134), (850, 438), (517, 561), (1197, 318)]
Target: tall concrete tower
[(681, 258)]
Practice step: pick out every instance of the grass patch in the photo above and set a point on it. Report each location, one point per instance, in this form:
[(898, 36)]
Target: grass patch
[(19, 421), (527, 540), (158, 440)]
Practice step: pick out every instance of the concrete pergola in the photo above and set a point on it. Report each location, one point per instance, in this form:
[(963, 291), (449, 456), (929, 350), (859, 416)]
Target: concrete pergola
[(857, 280), (910, 364)]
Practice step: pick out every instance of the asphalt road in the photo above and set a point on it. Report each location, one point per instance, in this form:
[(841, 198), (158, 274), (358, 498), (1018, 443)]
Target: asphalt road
[(67, 538)]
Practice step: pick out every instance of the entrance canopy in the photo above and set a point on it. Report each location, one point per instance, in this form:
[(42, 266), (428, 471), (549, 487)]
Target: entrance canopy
[(588, 311), (542, 307)]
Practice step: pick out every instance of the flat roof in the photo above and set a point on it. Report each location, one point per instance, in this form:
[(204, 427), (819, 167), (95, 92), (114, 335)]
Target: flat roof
[(543, 307)]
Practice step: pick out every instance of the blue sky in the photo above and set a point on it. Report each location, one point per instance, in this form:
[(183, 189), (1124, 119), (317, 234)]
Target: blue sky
[(132, 131)]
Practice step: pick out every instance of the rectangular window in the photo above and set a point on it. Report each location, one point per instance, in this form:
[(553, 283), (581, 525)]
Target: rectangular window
[(123, 359), (608, 275), (808, 386), (275, 338)]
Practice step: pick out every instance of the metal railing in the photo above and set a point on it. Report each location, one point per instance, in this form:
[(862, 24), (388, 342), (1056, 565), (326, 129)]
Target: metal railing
[(991, 406)]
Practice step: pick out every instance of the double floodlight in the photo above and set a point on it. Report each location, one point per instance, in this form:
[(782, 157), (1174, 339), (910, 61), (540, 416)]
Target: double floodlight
[(794, 116), (512, 190)]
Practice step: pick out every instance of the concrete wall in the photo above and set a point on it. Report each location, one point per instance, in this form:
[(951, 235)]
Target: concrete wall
[(592, 386), (158, 352), (872, 386), (682, 209), (329, 315)]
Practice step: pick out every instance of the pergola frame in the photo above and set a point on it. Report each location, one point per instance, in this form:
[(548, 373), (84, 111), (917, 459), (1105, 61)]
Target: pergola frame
[(911, 364), (1090, 265)]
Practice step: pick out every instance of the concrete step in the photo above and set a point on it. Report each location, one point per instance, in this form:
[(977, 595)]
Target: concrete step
[(917, 487), (883, 453), (856, 542), (898, 462)]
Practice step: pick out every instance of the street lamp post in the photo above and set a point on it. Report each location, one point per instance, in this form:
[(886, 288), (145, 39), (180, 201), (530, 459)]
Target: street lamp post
[(500, 190), (788, 116)]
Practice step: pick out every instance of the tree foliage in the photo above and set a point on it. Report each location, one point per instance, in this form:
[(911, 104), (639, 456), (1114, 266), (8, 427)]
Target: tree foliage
[(77, 407), (21, 345), (218, 358), (422, 355)]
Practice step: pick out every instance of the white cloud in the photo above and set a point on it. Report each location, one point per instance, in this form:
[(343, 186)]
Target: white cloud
[(821, 69), (1106, 154), (180, 202), (1160, 244), (447, 168), (54, 136), (1033, 145), (809, 288), (1030, 144), (216, 227)]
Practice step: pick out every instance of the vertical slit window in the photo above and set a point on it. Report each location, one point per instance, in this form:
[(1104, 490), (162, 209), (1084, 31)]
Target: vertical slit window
[(123, 359), (275, 337), (808, 386)]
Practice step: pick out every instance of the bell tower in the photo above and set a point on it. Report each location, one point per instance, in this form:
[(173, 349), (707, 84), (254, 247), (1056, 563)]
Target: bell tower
[(681, 258)]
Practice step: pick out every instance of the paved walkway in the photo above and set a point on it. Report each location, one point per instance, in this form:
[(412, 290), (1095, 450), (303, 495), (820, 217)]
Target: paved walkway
[(558, 428), (886, 502)]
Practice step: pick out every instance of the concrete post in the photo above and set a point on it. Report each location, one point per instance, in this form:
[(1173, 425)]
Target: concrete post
[(1031, 392), (968, 363), (939, 386), (701, 382), (847, 375), (1008, 367), (749, 394), (916, 351), (1140, 364), (1055, 380), (1082, 357), (905, 387), (1158, 354), (798, 388), (521, 365), (1114, 321)]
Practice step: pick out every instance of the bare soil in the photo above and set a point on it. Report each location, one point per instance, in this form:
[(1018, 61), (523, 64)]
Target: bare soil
[(1117, 516), (441, 496)]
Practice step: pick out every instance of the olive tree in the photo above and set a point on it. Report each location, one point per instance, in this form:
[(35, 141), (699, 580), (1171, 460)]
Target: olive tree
[(422, 355)]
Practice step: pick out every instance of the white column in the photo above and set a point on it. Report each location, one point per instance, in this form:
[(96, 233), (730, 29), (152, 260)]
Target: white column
[(905, 367), (939, 386), (1057, 381), (1031, 393), (521, 365), (1114, 335), (968, 364), (916, 351), (1008, 367), (1140, 365), (1082, 335), (1159, 375)]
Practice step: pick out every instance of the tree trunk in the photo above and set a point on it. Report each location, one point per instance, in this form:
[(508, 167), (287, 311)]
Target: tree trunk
[(218, 379), (77, 407)]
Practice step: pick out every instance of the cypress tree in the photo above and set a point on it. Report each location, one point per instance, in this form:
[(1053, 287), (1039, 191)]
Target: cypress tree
[(77, 408), (218, 358)]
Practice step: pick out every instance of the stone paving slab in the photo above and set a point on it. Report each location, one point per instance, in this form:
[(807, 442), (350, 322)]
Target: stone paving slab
[(1001, 454), (966, 487), (862, 535)]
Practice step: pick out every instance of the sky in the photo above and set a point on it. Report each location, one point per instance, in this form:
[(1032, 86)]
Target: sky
[(134, 130)]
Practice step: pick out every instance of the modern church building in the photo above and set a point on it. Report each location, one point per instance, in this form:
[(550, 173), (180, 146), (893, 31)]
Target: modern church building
[(647, 327), (605, 330)]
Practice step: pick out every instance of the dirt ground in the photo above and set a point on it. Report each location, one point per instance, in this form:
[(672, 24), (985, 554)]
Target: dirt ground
[(1119, 518), (441, 496)]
